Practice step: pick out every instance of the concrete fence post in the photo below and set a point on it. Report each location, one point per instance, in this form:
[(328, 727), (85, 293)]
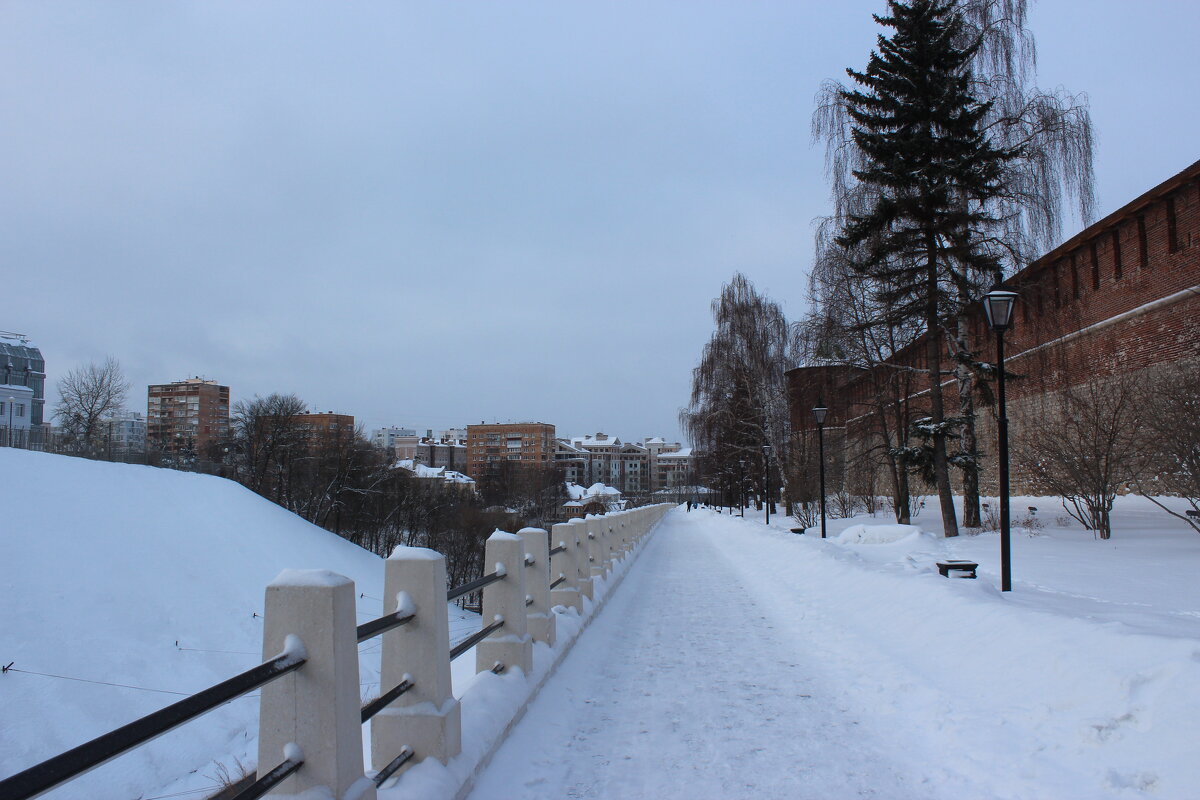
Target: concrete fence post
[(583, 559), (563, 565), (596, 547), (315, 708), (537, 585), (505, 599), (426, 718), (610, 541), (626, 528)]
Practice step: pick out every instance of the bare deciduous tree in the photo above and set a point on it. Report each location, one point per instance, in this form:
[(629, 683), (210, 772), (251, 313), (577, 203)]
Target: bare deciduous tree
[(1171, 417), (1084, 444), (739, 389), (88, 396)]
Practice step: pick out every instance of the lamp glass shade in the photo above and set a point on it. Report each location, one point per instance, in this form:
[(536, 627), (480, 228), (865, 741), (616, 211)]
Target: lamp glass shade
[(766, 449), (819, 414), (998, 306)]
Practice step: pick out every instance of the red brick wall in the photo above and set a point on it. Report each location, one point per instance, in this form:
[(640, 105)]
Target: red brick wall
[(1140, 262)]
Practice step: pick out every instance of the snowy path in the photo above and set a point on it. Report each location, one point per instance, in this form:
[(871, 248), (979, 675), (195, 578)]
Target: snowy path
[(689, 684)]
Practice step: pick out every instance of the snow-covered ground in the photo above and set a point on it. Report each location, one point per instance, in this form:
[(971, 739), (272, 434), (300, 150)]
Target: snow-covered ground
[(744, 661), (133, 587), (735, 660)]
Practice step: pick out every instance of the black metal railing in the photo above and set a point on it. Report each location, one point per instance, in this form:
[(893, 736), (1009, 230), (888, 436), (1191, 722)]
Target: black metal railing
[(406, 754), (88, 756), (369, 630), (562, 548), (269, 781), (561, 578), (475, 638), (373, 707), (474, 585)]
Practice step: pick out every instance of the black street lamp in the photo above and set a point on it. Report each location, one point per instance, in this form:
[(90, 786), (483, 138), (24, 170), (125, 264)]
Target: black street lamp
[(767, 479), (819, 415), (998, 306), (742, 488)]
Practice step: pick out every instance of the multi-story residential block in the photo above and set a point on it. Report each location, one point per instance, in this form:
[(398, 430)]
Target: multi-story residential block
[(530, 443), (631, 467), (675, 469), (325, 428), (189, 416), (386, 437), (125, 432), (22, 366), (433, 453)]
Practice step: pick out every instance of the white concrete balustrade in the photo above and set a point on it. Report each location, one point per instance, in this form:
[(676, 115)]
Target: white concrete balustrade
[(314, 712)]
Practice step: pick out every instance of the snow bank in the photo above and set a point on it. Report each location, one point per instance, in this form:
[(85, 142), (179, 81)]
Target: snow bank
[(1082, 683), (876, 534), (138, 586)]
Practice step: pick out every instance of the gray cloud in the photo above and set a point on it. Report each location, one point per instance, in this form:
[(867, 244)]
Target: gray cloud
[(436, 213)]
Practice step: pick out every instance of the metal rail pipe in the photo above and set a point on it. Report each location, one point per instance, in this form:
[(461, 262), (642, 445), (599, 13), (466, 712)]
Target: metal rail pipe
[(89, 755)]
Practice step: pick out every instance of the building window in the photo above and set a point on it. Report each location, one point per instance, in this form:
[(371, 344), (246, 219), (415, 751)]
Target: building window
[(1143, 245)]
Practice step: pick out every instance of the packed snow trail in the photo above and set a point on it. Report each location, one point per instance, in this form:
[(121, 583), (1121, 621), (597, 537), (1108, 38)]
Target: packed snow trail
[(688, 686)]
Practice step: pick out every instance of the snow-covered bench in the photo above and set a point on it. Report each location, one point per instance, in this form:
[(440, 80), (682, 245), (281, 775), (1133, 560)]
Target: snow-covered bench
[(957, 565)]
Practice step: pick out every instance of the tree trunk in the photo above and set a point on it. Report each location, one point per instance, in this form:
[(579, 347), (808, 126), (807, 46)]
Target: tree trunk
[(970, 444), (933, 349)]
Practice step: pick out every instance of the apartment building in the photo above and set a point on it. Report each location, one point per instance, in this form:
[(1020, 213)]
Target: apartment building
[(386, 437), (632, 467), (529, 443), (189, 416), (126, 433), (324, 428), (22, 367)]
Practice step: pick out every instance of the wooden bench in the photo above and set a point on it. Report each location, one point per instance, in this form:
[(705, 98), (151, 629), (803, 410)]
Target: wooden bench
[(956, 565)]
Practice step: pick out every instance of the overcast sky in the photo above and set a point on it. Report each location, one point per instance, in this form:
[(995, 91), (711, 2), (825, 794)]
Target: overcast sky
[(437, 213)]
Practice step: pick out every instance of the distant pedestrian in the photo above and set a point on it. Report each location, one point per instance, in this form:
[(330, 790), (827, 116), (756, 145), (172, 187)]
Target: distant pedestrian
[(689, 505)]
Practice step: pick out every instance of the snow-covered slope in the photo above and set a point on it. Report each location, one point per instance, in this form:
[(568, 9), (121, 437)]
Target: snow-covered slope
[(149, 578)]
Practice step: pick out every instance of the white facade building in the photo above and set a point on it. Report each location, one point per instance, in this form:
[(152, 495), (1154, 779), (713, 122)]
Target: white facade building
[(16, 414)]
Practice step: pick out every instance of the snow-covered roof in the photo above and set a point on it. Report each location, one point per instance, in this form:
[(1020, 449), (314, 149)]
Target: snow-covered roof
[(593, 441), (577, 492), (684, 453), (426, 471)]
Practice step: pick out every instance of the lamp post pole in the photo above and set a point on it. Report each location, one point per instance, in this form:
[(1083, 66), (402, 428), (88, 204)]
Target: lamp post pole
[(998, 306), (819, 415), (742, 488), (11, 400), (1002, 429), (766, 448)]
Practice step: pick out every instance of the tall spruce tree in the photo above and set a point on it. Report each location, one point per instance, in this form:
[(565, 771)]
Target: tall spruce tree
[(929, 170)]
